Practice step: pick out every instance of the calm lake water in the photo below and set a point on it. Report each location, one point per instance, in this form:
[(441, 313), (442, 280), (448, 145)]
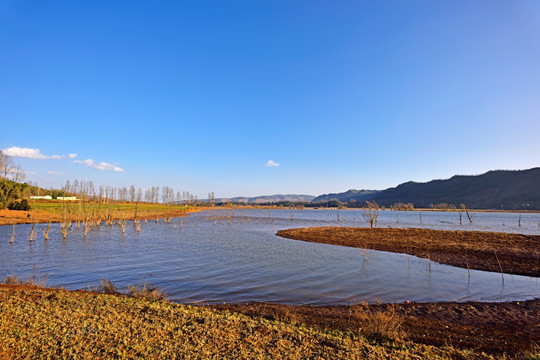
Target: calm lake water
[(205, 258)]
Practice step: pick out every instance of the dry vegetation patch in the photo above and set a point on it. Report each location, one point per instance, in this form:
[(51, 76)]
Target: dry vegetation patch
[(490, 251), (44, 212), (505, 330), (36, 322)]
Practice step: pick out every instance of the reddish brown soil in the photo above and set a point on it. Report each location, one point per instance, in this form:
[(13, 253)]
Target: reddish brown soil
[(495, 328), (8, 217), (490, 251)]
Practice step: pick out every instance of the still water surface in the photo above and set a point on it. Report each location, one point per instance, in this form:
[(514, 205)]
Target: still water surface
[(206, 258)]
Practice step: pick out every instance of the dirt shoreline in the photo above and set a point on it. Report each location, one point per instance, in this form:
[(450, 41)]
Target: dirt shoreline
[(513, 253), (511, 328)]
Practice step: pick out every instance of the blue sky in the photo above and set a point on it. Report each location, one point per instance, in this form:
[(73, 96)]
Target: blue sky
[(201, 95)]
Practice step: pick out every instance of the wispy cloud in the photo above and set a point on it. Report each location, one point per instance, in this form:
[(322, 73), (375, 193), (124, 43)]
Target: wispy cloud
[(103, 166), (271, 163), (17, 169), (51, 172), (68, 156), (31, 153)]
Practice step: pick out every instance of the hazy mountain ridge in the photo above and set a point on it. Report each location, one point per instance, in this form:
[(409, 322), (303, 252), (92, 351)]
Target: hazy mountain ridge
[(269, 198), (358, 195)]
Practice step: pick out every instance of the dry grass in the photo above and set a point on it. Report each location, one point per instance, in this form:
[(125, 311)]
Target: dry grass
[(44, 211), (106, 286), (379, 325), (142, 290), (147, 291), (34, 279), (49, 323)]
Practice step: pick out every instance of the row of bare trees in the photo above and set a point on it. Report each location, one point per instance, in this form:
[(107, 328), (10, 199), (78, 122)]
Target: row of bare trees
[(155, 194)]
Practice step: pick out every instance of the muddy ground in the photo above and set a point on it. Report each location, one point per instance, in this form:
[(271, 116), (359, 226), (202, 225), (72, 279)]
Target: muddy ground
[(511, 328), (489, 251)]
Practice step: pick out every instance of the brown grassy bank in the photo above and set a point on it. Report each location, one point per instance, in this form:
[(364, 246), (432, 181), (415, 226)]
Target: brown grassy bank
[(52, 323), (43, 212), (511, 329), (490, 251)]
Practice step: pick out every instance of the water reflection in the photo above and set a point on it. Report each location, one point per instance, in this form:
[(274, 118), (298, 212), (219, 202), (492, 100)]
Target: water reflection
[(221, 256)]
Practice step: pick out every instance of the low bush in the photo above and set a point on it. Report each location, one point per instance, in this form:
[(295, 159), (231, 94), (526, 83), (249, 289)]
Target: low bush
[(107, 287), (21, 206), (379, 324), (147, 291), (34, 279)]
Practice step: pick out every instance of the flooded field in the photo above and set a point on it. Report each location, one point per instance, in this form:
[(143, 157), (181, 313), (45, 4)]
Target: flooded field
[(234, 256)]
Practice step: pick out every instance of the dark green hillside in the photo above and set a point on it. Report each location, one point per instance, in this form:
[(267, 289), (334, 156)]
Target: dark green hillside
[(500, 189)]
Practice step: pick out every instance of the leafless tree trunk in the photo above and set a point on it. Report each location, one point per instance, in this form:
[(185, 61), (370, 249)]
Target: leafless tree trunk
[(470, 216), (461, 209), (46, 230), (64, 222), (33, 231), (371, 213), (123, 222), (12, 235)]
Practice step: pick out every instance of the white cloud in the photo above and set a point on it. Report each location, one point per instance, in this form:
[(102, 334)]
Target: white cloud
[(87, 162), (103, 166), (31, 153), (55, 173), (271, 163)]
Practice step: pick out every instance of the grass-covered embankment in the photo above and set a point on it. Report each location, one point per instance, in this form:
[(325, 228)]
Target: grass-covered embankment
[(54, 323)]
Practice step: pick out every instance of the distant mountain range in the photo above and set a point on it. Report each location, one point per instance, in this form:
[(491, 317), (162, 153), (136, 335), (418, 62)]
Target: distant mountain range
[(358, 195), (269, 199), (499, 189)]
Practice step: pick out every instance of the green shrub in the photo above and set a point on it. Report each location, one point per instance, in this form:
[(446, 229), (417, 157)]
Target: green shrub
[(22, 206)]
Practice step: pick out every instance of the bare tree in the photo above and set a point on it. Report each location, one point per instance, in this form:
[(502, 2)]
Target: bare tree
[(470, 216), (371, 213), (461, 209), (18, 174), (67, 187), (211, 199), (6, 165), (100, 194)]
